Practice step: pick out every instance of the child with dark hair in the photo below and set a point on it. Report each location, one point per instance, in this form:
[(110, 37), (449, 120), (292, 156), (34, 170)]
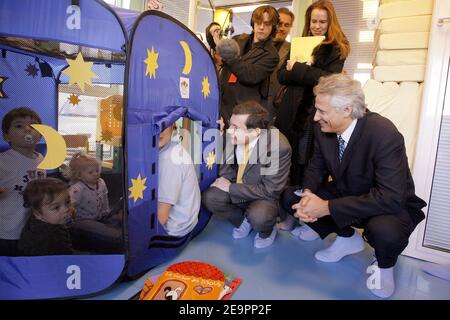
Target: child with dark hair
[(18, 166), (45, 232)]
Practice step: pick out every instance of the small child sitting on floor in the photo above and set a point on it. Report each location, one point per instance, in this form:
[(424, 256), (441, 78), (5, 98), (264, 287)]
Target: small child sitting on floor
[(88, 191), (45, 232), (89, 195)]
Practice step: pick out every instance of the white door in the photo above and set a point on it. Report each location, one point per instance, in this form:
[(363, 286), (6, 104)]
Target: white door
[(431, 239)]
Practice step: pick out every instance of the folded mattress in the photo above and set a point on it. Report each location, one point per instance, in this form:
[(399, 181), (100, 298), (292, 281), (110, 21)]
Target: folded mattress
[(406, 24), (401, 57), (400, 103), (411, 40), (399, 73), (391, 1), (405, 9)]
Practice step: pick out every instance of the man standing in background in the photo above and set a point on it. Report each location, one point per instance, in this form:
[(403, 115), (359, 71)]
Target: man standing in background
[(283, 47)]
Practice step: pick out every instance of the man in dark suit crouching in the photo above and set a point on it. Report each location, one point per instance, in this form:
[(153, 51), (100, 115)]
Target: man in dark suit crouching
[(358, 177)]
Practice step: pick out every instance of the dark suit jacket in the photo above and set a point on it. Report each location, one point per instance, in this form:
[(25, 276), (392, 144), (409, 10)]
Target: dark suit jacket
[(252, 70), (283, 53), (373, 177), (258, 186)]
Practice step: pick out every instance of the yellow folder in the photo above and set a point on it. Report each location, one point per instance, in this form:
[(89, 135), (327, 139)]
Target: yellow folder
[(302, 48)]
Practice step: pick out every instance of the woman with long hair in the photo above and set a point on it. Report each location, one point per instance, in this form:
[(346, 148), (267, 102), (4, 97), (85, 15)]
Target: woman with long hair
[(296, 107)]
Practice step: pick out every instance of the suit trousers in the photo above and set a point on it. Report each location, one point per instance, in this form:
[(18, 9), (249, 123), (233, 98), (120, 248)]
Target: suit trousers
[(388, 234), (9, 247), (261, 214)]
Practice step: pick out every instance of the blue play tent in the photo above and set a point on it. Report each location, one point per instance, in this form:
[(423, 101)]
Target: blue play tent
[(166, 72)]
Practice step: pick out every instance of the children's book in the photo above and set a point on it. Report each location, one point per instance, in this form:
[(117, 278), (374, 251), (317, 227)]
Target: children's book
[(190, 280), (231, 284)]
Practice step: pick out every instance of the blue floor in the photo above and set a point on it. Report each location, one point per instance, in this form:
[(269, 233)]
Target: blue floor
[(287, 270)]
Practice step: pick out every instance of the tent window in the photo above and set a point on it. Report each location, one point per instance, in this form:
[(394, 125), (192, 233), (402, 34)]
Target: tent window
[(96, 115), (62, 50), (91, 121)]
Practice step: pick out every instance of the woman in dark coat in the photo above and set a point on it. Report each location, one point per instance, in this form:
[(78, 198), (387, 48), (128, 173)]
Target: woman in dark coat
[(296, 107)]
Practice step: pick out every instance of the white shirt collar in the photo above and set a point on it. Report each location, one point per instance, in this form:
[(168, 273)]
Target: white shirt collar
[(240, 149), (346, 135)]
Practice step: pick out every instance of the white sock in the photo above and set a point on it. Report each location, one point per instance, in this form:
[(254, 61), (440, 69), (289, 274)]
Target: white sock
[(244, 230), (265, 242), (305, 233), (438, 270), (386, 284), (340, 248)]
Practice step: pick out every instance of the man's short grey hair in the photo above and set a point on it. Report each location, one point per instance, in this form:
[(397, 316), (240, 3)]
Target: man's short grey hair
[(344, 91)]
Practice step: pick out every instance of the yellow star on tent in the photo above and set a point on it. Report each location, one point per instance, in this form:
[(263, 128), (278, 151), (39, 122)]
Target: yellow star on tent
[(137, 190), (210, 160), (152, 63), (205, 87), (74, 99), (80, 72)]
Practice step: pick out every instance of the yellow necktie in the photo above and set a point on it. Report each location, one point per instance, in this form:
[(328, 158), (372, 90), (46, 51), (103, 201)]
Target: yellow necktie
[(242, 166)]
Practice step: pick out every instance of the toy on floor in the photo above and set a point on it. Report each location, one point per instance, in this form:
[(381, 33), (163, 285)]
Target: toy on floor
[(191, 280)]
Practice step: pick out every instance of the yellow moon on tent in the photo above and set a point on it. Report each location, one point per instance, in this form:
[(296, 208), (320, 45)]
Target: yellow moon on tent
[(56, 147), (187, 57)]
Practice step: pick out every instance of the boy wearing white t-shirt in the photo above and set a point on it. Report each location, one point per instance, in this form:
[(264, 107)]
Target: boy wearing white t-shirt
[(178, 189), (18, 166)]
